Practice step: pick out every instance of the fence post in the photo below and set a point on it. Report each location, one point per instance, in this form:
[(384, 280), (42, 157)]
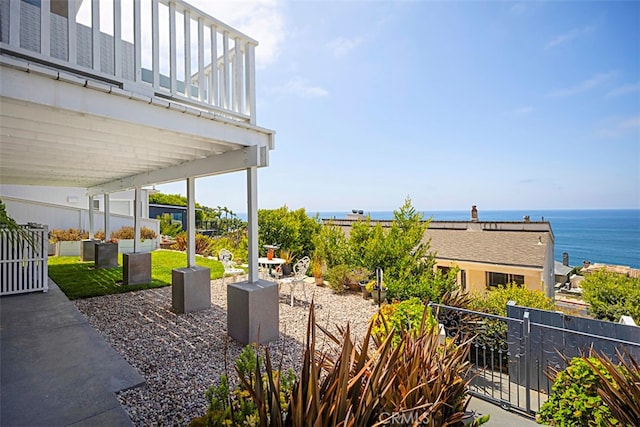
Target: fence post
[(527, 372)]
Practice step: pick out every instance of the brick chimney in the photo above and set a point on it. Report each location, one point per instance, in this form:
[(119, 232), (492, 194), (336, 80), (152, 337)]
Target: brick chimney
[(474, 213)]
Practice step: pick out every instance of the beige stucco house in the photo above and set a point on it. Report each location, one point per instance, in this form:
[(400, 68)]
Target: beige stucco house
[(490, 253)]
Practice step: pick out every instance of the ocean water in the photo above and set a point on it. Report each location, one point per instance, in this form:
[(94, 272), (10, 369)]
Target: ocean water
[(605, 236)]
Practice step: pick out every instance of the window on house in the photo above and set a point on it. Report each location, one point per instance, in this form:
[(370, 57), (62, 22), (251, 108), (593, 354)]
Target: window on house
[(497, 279), (96, 204), (463, 280), (444, 270)]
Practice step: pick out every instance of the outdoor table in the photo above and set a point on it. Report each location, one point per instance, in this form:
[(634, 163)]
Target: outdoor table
[(270, 262)]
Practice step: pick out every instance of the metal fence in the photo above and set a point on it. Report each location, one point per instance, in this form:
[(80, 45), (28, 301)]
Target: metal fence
[(511, 357), (23, 262)]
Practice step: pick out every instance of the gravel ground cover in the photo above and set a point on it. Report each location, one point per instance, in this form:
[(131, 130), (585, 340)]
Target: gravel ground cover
[(181, 356)]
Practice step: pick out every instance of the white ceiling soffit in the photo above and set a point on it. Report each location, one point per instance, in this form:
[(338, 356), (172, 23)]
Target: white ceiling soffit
[(62, 134)]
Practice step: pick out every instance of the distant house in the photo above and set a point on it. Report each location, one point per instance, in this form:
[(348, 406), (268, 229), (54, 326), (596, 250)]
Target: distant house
[(562, 272), (178, 213), (490, 253)]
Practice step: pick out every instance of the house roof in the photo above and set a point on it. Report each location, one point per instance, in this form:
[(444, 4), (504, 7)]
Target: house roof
[(561, 269), (517, 248), (513, 243)]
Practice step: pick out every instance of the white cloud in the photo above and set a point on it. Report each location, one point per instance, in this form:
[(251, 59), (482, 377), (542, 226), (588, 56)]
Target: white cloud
[(262, 20), (584, 86), (568, 36), (301, 88), (522, 110), (342, 46), (620, 127), (624, 90)]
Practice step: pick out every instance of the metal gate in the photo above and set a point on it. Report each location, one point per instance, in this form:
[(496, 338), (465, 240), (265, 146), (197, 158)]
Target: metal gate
[(511, 356), (23, 263)]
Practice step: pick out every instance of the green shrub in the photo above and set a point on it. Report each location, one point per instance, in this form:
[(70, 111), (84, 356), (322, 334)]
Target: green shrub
[(398, 249), (429, 286), (168, 227), (292, 230), (403, 317), (331, 245), (205, 245), (494, 301), (574, 399), (622, 395), (338, 277), (241, 406), (612, 295)]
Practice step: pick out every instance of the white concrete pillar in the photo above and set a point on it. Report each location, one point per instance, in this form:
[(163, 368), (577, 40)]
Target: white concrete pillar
[(191, 222), (136, 219), (92, 230), (107, 217), (252, 223)]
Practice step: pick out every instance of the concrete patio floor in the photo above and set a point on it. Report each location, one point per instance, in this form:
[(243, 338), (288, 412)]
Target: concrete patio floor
[(55, 370)]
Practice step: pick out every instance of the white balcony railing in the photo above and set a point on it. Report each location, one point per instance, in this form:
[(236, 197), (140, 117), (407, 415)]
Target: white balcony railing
[(166, 47)]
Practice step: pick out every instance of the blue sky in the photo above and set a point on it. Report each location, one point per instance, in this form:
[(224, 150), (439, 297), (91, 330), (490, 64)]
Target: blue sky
[(499, 104)]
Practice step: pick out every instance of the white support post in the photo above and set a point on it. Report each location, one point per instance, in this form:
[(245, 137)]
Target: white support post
[(137, 200), (213, 96), (107, 217), (252, 223), (92, 228), (172, 48), (117, 39), (237, 75), (155, 43), (187, 53), (201, 80), (191, 222), (72, 38), (45, 27), (14, 23), (225, 69), (137, 42), (250, 82), (95, 32)]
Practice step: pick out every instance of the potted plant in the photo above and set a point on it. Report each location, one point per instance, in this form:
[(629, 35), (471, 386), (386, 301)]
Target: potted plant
[(125, 238), (288, 257), (67, 241), (378, 294), (317, 268), (357, 275)]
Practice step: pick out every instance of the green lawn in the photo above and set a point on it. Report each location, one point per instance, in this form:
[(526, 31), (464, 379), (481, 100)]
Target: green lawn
[(81, 280)]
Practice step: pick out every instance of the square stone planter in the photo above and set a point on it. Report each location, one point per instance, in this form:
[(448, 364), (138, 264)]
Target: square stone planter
[(253, 314), (88, 250), (66, 248), (125, 246), (190, 289), (106, 255), (136, 268)]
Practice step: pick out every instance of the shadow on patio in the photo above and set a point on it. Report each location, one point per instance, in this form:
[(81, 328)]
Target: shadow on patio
[(56, 369)]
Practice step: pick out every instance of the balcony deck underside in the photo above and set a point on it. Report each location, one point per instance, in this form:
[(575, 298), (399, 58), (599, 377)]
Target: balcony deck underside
[(59, 130)]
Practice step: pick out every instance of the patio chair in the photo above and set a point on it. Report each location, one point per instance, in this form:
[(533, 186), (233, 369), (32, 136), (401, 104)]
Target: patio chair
[(226, 258), (299, 274)]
